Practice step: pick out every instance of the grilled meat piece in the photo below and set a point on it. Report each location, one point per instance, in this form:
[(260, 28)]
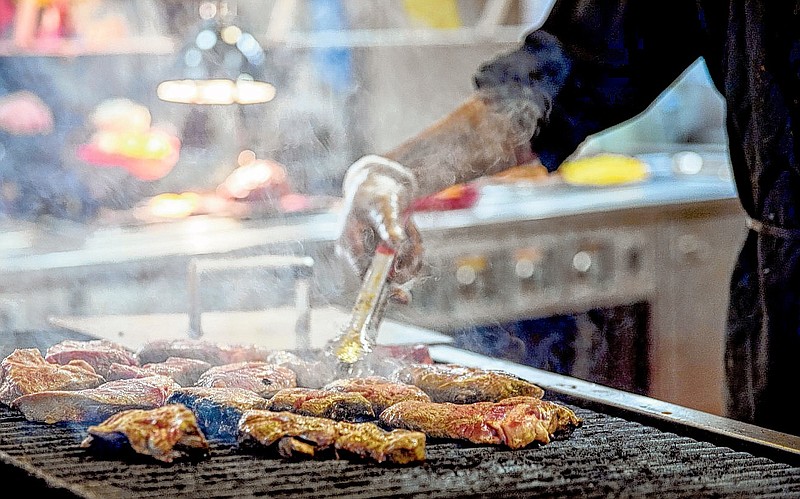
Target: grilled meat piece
[(165, 433), (185, 372), (418, 354), (381, 392), (304, 436), (351, 407), (367, 440), (100, 354), (514, 422), (311, 373), (214, 353), (121, 371), (218, 409), (93, 405), (466, 385), (260, 377), (25, 371)]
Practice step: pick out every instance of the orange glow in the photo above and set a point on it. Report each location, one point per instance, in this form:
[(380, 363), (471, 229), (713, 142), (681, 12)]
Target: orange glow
[(253, 175), (172, 205)]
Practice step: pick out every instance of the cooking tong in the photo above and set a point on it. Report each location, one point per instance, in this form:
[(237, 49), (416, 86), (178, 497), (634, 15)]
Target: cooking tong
[(358, 337)]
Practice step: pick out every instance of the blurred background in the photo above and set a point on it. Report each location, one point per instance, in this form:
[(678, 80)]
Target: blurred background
[(348, 79), (140, 138)]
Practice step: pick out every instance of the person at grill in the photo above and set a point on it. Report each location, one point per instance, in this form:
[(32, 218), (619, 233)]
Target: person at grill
[(592, 65)]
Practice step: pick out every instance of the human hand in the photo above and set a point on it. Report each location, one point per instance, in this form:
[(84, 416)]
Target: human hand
[(23, 113), (378, 193)]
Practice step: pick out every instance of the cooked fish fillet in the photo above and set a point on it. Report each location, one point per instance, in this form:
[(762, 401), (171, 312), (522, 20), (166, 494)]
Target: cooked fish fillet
[(351, 407), (381, 392), (466, 385), (260, 377), (165, 433), (218, 409), (514, 422), (96, 404), (298, 436), (25, 371)]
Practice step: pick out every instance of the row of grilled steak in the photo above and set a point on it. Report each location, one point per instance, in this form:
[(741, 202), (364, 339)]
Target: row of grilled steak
[(169, 398)]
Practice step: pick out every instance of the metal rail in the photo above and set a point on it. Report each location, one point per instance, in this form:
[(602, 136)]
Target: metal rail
[(302, 268), (700, 424)]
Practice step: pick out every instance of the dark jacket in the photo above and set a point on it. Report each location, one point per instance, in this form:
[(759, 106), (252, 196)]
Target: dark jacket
[(600, 63)]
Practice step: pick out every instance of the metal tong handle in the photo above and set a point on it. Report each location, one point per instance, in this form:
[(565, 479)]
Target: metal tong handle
[(361, 333)]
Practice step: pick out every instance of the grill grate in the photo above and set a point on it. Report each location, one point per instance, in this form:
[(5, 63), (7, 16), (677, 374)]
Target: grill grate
[(607, 456)]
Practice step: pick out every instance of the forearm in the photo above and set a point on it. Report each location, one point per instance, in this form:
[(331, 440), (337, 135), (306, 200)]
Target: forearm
[(482, 136)]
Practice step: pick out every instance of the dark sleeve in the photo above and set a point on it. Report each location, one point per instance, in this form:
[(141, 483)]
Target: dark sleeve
[(595, 65)]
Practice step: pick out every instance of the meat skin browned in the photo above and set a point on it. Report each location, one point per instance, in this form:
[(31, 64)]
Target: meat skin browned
[(96, 404), (25, 371), (184, 371), (514, 422), (260, 377), (165, 433), (351, 407), (298, 436), (381, 392), (466, 385), (100, 354)]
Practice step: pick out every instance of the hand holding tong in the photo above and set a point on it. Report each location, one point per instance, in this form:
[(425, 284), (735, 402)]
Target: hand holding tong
[(358, 337)]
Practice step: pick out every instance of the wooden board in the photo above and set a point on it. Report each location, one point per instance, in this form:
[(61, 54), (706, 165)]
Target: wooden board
[(272, 328)]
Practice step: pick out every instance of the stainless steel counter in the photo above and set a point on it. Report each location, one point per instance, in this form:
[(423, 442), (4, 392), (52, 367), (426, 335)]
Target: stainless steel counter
[(28, 247)]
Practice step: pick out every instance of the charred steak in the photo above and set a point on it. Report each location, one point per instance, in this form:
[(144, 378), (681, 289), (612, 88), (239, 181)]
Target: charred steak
[(184, 371), (93, 405), (298, 436), (466, 385), (25, 371), (260, 377), (165, 433), (351, 407), (218, 409), (100, 354), (381, 392), (514, 422)]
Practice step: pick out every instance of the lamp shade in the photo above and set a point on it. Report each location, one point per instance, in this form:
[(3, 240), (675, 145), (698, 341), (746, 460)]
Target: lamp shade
[(220, 64)]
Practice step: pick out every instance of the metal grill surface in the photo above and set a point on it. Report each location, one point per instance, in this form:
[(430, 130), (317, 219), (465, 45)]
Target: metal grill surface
[(607, 457)]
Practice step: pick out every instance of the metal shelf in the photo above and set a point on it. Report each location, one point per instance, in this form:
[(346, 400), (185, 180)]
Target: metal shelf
[(140, 45)]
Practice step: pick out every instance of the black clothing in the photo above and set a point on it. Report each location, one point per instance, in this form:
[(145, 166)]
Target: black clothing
[(601, 63)]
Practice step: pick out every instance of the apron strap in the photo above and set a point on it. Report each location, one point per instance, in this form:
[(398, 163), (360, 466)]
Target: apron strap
[(771, 230)]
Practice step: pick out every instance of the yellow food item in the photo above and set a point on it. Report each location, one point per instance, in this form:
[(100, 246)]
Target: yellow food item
[(604, 169)]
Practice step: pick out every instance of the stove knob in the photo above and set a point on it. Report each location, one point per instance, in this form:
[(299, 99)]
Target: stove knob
[(592, 264), (582, 262), (529, 269), (466, 275), (471, 275)]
